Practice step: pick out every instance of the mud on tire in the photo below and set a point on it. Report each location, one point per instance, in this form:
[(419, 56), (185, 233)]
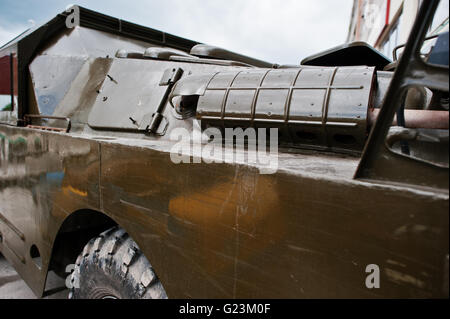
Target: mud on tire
[(112, 266)]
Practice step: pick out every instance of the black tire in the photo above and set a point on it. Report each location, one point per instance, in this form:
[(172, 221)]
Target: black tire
[(112, 266)]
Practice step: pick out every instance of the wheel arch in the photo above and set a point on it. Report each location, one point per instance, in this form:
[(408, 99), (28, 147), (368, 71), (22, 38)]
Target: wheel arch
[(77, 229), (73, 234)]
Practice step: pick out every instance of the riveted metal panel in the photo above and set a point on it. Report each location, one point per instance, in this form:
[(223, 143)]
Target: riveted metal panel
[(121, 98), (271, 104)]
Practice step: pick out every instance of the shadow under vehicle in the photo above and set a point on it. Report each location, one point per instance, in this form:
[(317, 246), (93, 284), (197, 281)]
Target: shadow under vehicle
[(87, 178)]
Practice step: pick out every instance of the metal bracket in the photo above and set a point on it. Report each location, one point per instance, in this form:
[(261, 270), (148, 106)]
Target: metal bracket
[(161, 120), (169, 78), (28, 118)]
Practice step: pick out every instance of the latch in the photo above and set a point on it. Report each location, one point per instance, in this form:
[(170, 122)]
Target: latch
[(169, 78)]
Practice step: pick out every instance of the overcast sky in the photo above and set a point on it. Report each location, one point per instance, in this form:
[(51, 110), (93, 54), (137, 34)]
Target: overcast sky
[(279, 31)]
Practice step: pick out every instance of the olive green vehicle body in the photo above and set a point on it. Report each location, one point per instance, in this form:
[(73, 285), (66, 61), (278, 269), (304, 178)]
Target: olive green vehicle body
[(217, 230)]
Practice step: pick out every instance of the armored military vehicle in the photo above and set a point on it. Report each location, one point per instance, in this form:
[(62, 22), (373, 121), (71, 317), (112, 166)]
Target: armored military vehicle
[(117, 171)]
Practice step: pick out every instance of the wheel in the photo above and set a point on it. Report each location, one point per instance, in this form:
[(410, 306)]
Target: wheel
[(112, 266)]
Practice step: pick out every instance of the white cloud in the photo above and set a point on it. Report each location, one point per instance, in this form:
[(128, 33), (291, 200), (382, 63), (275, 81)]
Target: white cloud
[(6, 35), (9, 33), (281, 31)]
